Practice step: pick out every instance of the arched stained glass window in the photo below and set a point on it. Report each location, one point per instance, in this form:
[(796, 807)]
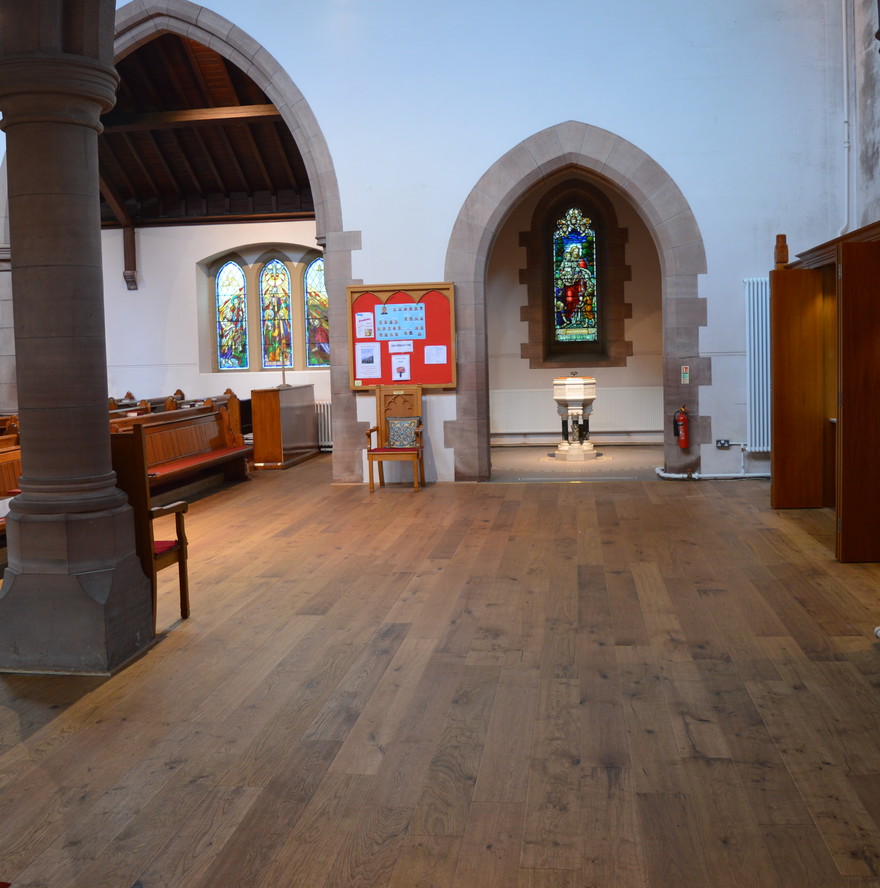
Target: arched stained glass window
[(231, 301), (275, 315), (317, 315), (574, 279)]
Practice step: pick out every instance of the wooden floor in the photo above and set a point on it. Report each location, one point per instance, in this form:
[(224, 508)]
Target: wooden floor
[(605, 684)]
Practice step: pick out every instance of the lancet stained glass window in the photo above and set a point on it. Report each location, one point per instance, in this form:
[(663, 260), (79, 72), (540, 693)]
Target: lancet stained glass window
[(317, 316), (275, 315), (232, 333), (574, 279)]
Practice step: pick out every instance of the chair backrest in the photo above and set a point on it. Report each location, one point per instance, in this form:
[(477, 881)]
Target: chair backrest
[(130, 464), (403, 401)]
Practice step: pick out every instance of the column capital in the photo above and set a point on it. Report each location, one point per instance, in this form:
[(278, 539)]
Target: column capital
[(55, 88)]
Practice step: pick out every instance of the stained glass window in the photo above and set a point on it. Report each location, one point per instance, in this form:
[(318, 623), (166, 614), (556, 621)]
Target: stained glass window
[(232, 333), (574, 279), (317, 316), (275, 315)]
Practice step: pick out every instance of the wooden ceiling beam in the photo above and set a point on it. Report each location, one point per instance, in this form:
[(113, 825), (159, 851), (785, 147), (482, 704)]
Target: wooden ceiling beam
[(209, 160), (196, 70), (148, 179), (106, 151), (184, 162), (282, 154), (233, 157), (120, 122), (129, 248), (211, 218), (160, 155)]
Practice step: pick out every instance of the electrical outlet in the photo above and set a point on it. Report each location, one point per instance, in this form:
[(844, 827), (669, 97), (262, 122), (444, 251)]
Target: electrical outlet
[(722, 442)]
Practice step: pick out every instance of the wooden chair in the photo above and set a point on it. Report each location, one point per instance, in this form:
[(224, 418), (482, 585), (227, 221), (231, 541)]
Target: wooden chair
[(398, 431), (130, 465)]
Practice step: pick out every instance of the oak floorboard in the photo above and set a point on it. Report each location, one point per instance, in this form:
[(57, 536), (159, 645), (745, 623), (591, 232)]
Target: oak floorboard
[(669, 830), (490, 848), (845, 826), (613, 853), (553, 825), (593, 685), (426, 861), (448, 788)]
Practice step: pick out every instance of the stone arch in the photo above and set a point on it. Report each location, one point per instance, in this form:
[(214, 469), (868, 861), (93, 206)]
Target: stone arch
[(142, 20), (676, 235)]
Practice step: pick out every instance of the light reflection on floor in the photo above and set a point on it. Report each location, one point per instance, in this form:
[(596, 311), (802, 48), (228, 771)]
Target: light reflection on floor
[(616, 462)]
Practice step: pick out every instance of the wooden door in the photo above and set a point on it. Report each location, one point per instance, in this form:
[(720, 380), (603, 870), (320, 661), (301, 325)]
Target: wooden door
[(797, 388), (858, 425)]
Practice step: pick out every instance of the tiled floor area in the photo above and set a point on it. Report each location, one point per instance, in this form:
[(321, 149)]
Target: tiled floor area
[(621, 462)]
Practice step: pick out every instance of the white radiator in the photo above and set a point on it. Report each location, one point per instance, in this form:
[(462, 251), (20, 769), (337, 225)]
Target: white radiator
[(757, 295), (533, 411), (325, 429)]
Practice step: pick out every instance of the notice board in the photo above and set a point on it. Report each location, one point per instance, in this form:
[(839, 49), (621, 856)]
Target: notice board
[(402, 333)]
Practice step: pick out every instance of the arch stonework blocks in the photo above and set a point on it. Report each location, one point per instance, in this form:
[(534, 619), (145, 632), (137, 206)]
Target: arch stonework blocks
[(142, 20), (682, 257)]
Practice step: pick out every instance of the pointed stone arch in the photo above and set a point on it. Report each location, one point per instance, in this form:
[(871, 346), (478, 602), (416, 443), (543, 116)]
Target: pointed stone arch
[(143, 20), (668, 217)]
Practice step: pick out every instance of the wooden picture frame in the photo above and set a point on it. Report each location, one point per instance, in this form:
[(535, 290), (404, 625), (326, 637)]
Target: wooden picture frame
[(402, 333)]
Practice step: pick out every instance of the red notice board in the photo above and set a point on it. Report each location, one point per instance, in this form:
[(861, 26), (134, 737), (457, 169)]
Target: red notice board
[(402, 333)]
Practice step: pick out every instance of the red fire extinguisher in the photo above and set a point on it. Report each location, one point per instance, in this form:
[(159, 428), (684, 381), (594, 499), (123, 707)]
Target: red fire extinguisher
[(680, 428)]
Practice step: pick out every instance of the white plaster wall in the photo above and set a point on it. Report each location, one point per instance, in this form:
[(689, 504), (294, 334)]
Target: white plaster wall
[(156, 334), (865, 114), (439, 460), (505, 296), (741, 103)]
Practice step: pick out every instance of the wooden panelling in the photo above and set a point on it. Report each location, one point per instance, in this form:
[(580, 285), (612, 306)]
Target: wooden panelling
[(858, 422), (797, 329), (825, 365)]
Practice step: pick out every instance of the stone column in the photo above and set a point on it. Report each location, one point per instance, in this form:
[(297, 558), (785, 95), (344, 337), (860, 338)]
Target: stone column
[(73, 598), (8, 394)]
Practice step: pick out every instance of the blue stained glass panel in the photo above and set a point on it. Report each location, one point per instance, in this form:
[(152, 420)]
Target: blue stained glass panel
[(275, 315), (574, 279), (317, 315), (232, 334)]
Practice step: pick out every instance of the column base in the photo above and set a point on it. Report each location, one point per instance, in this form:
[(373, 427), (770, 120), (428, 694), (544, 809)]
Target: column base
[(55, 623), (576, 452)]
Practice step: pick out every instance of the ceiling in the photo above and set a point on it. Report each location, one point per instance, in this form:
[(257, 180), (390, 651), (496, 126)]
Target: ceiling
[(193, 139)]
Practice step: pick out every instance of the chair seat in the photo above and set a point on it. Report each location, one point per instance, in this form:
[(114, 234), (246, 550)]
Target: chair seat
[(394, 450), (160, 547)]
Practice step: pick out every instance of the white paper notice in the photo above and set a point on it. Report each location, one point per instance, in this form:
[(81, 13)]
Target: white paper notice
[(363, 325), (435, 354), (400, 346), (368, 363), (400, 367)]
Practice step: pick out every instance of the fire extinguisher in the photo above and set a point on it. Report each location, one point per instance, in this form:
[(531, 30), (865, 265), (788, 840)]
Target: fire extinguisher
[(680, 428)]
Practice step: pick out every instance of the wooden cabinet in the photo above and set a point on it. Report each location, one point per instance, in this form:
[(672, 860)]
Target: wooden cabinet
[(825, 366), (285, 426)]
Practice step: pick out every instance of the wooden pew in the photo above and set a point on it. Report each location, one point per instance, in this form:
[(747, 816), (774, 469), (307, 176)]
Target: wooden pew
[(185, 448), (10, 472), (126, 423), (174, 408)]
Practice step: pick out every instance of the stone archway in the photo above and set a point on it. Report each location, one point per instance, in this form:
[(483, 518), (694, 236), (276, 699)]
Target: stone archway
[(139, 22), (682, 258)]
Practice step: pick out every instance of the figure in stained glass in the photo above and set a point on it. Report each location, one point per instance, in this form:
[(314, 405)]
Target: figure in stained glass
[(231, 302), (275, 315), (574, 279), (317, 315)]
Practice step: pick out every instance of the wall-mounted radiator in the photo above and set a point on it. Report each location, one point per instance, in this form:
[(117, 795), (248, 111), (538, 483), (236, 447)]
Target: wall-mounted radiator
[(757, 295), (533, 411), (325, 429)]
